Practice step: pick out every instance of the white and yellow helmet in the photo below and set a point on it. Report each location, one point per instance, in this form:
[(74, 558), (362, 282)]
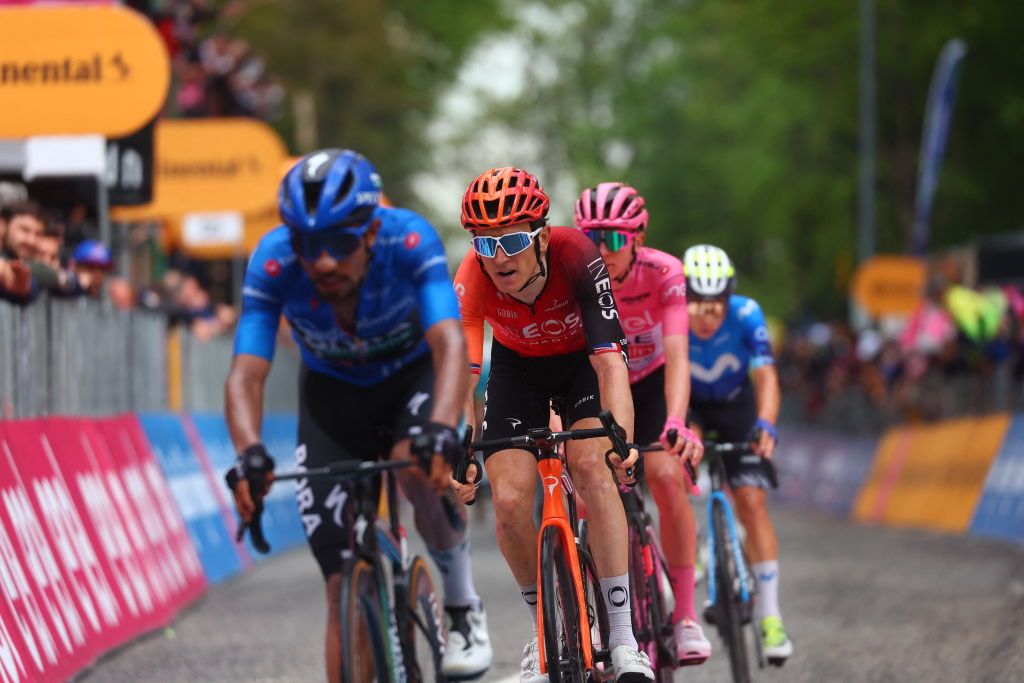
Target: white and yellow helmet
[(709, 272)]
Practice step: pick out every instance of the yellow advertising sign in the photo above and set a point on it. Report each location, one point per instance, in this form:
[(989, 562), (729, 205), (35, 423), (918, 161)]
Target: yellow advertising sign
[(931, 476), (211, 165), (889, 285), (79, 69)]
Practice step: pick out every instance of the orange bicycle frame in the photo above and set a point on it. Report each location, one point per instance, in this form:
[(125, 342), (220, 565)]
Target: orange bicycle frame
[(555, 514)]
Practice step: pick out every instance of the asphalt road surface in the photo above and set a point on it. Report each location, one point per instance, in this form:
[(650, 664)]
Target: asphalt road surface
[(861, 603)]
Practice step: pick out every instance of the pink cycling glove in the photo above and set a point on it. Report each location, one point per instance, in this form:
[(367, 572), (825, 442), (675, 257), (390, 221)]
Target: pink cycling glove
[(682, 432)]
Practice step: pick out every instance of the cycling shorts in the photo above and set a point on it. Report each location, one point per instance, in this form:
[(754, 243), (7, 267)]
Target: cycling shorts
[(521, 391), (649, 409), (732, 421), (343, 421)]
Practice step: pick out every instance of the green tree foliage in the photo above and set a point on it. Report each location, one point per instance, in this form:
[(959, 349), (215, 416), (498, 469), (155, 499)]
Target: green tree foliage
[(373, 67), (738, 122)]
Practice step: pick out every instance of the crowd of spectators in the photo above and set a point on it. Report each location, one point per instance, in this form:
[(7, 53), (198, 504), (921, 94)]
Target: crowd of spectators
[(960, 352), (36, 258), (214, 74)]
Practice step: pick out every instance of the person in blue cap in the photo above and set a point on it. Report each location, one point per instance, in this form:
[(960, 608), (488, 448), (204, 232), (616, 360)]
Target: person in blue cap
[(91, 261)]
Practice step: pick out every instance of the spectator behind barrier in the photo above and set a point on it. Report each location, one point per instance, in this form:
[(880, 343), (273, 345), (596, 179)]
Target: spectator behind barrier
[(23, 224), (91, 262)]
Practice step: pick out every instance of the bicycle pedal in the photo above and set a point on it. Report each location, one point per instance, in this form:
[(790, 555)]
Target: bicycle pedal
[(604, 656), (777, 661), (709, 614)]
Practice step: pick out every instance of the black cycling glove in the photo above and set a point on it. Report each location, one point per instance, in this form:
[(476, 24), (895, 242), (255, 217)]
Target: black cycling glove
[(434, 437), (253, 464)]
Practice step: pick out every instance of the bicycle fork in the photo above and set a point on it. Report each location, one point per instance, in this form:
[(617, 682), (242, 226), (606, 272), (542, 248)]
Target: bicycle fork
[(718, 497)]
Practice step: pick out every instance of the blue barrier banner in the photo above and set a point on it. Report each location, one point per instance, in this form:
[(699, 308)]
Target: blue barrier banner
[(822, 470), (281, 523), (1000, 512), (192, 492)]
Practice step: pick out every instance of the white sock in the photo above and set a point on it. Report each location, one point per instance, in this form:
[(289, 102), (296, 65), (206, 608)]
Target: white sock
[(457, 575), (767, 575), (620, 618), (529, 594)]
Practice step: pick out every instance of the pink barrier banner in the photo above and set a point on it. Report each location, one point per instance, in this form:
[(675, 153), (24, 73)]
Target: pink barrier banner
[(92, 550)]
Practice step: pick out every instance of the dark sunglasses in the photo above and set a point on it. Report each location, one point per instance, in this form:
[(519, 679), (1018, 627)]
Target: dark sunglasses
[(512, 243), (612, 239), (338, 243)]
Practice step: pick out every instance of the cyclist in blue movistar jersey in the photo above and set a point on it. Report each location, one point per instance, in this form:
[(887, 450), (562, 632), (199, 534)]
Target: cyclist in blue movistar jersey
[(367, 294), (735, 392)]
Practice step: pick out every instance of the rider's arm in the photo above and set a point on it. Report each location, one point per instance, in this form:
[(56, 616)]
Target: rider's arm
[(243, 399), (255, 338), (439, 314), (467, 286), (763, 374), (606, 341)]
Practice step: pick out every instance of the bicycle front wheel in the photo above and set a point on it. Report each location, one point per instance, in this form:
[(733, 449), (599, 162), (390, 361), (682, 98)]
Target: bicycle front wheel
[(728, 610), (423, 626), (563, 646), (362, 647)]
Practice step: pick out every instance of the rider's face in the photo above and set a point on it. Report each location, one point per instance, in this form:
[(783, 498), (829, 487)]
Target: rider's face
[(618, 262), (338, 280), (706, 316), (510, 273)]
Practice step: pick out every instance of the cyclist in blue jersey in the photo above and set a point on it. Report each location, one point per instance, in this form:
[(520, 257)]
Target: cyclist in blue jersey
[(368, 297), (735, 392)]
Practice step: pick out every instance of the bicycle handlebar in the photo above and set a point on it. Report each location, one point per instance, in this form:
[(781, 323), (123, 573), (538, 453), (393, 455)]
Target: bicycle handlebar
[(341, 470), (743, 448), (544, 438)]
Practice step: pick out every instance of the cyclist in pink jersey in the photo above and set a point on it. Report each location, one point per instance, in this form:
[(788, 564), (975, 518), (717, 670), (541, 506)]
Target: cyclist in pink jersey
[(650, 291)]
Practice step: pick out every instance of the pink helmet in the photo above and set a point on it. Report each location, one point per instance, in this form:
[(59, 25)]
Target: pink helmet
[(611, 205)]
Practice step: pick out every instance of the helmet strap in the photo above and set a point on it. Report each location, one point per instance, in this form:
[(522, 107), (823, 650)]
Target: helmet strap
[(540, 262)]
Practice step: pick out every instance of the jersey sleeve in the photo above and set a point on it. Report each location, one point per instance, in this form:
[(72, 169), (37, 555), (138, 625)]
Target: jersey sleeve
[(468, 283), (755, 334), (601, 323), (676, 319), (424, 259), (262, 302)]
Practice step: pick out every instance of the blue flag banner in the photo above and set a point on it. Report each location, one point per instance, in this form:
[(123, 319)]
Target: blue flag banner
[(938, 116)]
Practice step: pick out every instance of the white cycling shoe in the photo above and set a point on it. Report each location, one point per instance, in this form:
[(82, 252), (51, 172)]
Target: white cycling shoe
[(468, 653), (692, 646), (529, 668), (630, 665)]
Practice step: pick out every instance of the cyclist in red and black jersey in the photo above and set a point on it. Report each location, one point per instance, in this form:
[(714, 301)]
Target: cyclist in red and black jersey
[(557, 341)]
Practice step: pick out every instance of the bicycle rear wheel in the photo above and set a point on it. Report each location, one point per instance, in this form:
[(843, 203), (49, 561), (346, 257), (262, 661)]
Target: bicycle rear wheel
[(423, 626), (563, 647), (728, 610), (362, 647)]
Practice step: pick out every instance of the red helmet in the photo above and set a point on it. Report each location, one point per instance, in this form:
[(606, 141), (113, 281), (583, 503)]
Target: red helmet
[(611, 205), (503, 196)]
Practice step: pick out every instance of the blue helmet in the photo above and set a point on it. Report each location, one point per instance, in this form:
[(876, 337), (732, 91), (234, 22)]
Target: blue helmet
[(327, 189)]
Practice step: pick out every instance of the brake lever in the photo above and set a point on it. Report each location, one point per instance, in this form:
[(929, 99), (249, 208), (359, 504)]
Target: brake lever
[(617, 435), (255, 529), (672, 437), (468, 458)]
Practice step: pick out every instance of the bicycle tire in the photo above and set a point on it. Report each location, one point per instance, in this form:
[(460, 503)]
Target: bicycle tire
[(729, 617), (362, 645), (563, 647), (423, 638)]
